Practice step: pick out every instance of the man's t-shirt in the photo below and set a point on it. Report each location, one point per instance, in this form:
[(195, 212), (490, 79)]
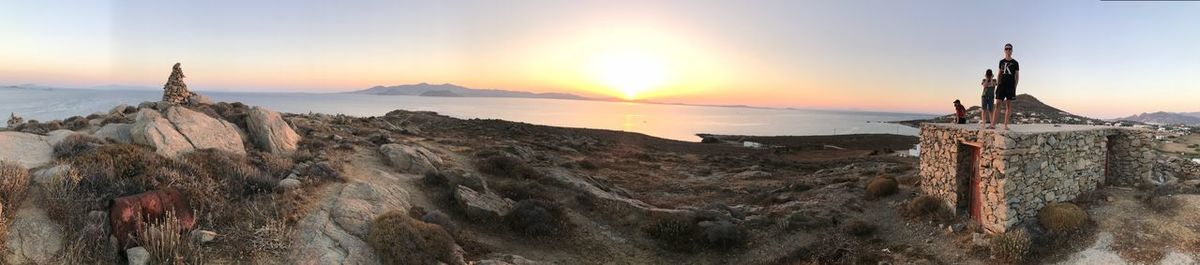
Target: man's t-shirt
[(1008, 71), (959, 111)]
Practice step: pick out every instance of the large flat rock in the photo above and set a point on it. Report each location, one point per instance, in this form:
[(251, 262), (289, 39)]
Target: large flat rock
[(27, 149), (150, 128), (204, 132)]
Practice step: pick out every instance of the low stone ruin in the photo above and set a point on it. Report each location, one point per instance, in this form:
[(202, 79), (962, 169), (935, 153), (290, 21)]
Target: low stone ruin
[(1002, 178)]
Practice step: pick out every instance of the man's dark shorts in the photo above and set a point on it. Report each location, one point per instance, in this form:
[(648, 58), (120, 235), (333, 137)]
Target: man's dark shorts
[(1006, 91)]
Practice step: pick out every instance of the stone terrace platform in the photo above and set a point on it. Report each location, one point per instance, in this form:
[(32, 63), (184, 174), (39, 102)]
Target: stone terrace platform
[(1001, 178)]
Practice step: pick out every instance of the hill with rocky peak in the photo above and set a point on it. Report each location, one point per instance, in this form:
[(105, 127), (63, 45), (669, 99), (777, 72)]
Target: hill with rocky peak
[(1165, 118), (1027, 109)]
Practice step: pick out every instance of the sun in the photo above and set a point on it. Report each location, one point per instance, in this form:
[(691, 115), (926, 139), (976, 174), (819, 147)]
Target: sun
[(630, 73)]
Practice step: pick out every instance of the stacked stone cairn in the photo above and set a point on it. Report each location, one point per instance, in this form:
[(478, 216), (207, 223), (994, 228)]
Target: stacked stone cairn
[(14, 120), (175, 91)]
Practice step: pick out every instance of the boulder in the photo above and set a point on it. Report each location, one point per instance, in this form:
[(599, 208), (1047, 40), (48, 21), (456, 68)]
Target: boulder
[(33, 238), (203, 236), (138, 256), (118, 111), (411, 159), (198, 99), (270, 132), (28, 150), (48, 175), (289, 183), (56, 136), (481, 206), (206, 132), (118, 132), (151, 129)]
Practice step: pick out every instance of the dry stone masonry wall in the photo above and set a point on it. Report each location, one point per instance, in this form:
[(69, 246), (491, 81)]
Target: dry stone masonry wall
[(1022, 171)]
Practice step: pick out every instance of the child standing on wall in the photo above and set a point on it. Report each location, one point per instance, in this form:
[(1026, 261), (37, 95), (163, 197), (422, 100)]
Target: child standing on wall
[(960, 113), (989, 95)]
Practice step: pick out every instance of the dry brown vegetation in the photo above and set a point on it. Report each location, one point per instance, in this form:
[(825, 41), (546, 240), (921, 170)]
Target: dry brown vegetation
[(881, 186), (399, 239), (1062, 217)]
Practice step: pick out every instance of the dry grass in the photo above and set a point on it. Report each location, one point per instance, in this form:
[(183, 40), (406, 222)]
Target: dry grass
[(14, 184), (860, 228), (881, 186), (167, 243), (1062, 217), (399, 239), (1012, 246), (76, 144), (929, 208)]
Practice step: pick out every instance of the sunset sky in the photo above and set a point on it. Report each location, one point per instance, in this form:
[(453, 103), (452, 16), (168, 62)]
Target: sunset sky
[(1100, 59)]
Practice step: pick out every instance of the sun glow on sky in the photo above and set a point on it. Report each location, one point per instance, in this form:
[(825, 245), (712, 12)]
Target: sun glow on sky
[(629, 72), (886, 55)]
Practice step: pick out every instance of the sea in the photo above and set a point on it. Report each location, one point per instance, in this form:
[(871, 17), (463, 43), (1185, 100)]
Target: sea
[(678, 122)]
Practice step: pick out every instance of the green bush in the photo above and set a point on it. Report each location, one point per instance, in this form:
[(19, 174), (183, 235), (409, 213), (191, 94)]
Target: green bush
[(538, 218), (881, 186), (1062, 217), (399, 239), (1012, 246)]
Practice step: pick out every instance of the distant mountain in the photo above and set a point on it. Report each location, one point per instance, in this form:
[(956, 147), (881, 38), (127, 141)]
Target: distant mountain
[(1160, 117), (439, 93), (1026, 109), (450, 90)]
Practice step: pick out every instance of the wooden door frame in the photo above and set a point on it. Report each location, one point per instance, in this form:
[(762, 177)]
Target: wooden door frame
[(975, 205)]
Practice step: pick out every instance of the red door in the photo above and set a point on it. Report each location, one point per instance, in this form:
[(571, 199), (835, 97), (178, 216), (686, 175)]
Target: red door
[(976, 195)]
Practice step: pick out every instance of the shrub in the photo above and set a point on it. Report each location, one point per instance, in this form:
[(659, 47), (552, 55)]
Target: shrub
[(807, 219), (507, 166), (1012, 246), (398, 239), (860, 228), (538, 218), (930, 207), (441, 219), (76, 144), (14, 182), (76, 123), (274, 165), (119, 169), (881, 186), (522, 190), (1062, 217), (588, 165), (723, 235), (673, 231)]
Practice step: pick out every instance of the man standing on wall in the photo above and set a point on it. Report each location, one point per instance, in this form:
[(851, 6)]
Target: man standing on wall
[(1006, 90)]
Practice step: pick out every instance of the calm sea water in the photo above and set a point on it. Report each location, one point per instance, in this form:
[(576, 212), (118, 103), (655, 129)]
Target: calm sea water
[(666, 121)]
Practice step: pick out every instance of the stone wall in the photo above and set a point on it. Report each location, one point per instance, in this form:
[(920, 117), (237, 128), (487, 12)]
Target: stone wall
[(1020, 172)]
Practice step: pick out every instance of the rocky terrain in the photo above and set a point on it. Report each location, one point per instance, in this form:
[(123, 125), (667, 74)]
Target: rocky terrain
[(422, 188)]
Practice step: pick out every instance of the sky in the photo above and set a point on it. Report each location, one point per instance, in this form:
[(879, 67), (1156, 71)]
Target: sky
[(1094, 58)]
